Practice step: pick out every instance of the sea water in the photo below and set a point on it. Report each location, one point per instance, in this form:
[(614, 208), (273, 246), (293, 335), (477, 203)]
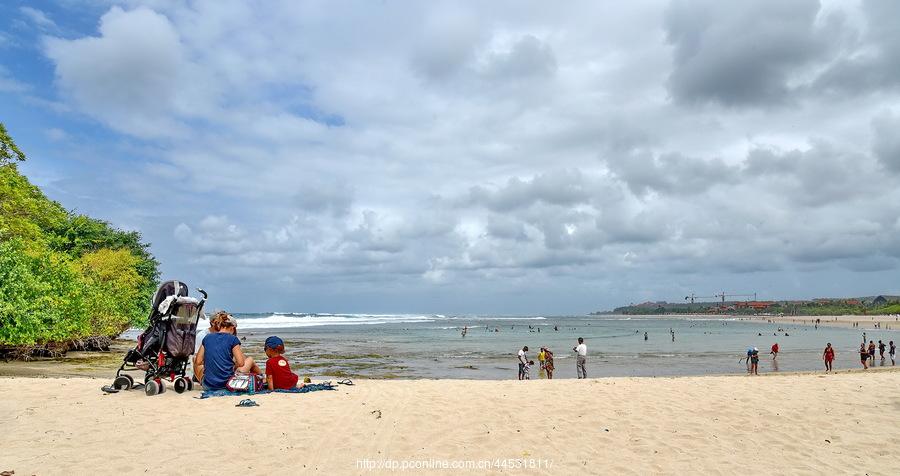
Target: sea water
[(432, 346)]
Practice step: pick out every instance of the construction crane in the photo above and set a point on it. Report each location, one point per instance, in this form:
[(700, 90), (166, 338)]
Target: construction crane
[(693, 296), (721, 295)]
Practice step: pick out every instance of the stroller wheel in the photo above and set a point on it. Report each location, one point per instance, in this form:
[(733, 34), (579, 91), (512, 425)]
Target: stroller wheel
[(162, 386), (190, 384), (182, 384), (123, 382), (151, 388)]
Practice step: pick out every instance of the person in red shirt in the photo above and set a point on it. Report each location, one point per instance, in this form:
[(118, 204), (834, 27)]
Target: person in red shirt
[(278, 370), (774, 351)]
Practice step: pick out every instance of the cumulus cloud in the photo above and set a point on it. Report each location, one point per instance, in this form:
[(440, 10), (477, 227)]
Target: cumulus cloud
[(742, 54), (128, 77), (871, 63), (671, 173), (527, 57), (887, 142), (39, 18), (10, 84), (566, 187)]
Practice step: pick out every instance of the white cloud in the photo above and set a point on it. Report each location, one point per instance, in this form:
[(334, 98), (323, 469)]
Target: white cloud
[(39, 18), (133, 77), (56, 134)]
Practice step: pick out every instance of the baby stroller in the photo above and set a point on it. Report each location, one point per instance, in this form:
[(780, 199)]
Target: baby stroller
[(164, 349)]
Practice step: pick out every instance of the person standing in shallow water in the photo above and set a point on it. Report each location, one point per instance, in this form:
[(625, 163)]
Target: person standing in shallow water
[(548, 363), (863, 355), (542, 356), (523, 361), (580, 358), (754, 362)]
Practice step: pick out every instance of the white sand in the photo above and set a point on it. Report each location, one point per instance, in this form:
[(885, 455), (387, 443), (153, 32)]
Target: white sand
[(865, 322), (845, 423)]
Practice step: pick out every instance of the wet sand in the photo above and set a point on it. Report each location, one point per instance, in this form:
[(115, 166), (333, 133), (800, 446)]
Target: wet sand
[(865, 322)]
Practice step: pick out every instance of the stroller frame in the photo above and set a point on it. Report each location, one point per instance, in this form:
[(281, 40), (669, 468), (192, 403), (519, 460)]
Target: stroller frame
[(164, 349)]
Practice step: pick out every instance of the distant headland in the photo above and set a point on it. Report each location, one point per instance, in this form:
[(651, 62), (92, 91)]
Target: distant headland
[(861, 306)]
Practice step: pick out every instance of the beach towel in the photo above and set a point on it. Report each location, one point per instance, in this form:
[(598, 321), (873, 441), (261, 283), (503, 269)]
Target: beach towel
[(310, 387)]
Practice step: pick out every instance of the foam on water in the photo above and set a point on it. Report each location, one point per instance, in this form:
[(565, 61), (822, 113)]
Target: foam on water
[(291, 320)]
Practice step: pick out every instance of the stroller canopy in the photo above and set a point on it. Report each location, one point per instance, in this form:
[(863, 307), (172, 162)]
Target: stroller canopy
[(166, 289)]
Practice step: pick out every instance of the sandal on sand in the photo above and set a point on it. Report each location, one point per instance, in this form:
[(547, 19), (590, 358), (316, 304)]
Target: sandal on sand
[(109, 389), (247, 403), (346, 381)]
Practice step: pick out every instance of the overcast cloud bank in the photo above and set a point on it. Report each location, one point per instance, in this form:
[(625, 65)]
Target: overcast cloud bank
[(500, 157)]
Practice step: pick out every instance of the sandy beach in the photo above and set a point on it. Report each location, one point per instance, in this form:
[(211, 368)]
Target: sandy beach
[(886, 322), (773, 424)]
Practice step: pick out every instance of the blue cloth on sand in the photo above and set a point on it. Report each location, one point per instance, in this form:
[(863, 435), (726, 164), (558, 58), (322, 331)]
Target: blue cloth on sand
[(310, 387)]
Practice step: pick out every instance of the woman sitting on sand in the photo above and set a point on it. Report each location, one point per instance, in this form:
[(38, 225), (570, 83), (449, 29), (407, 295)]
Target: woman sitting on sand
[(213, 327), (221, 356)]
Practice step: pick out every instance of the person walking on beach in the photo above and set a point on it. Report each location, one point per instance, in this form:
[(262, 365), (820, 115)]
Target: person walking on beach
[(881, 347), (774, 351), (863, 356), (523, 361), (580, 358), (872, 353), (891, 351), (828, 356)]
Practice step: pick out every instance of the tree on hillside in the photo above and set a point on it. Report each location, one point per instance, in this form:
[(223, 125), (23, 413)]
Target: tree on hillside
[(9, 153), (66, 280)]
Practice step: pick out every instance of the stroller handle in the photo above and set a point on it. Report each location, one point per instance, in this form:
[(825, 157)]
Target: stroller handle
[(201, 291)]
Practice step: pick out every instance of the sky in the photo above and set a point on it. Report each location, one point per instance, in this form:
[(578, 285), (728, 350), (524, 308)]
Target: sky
[(515, 157)]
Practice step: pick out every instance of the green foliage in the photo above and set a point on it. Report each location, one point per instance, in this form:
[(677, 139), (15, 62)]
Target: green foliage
[(114, 290), (8, 150), (889, 309), (41, 296), (24, 211), (63, 276), (833, 308)]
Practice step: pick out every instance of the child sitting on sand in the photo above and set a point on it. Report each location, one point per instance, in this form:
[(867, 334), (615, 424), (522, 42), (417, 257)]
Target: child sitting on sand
[(278, 371)]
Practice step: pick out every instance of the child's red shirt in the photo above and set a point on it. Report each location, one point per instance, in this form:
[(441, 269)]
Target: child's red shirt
[(278, 368)]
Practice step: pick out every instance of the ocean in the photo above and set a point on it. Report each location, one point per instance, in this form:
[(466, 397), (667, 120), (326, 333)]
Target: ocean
[(413, 346)]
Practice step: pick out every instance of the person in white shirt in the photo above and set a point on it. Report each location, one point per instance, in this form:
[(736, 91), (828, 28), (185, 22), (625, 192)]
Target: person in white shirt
[(581, 350), (523, 361)]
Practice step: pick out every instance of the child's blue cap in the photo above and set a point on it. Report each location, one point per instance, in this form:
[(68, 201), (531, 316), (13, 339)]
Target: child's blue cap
[(273, 342)]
